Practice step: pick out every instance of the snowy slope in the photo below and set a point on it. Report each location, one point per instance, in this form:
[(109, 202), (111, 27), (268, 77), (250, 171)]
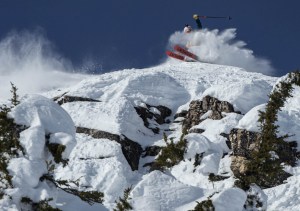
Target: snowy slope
[(99, 164), (171, 85)]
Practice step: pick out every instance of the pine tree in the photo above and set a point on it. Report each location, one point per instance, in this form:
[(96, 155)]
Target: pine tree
[(15, 97)]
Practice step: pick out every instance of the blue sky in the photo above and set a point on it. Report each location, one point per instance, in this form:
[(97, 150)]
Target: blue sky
[(134, 33)]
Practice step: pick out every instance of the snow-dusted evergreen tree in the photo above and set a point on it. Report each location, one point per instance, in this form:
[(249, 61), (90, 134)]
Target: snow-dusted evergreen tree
[(265, 168)]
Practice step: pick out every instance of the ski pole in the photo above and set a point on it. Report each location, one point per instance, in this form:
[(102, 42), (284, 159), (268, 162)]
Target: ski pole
[(227, 17)]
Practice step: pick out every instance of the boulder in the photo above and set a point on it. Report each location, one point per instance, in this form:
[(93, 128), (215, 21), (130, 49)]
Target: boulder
[(198, 108)]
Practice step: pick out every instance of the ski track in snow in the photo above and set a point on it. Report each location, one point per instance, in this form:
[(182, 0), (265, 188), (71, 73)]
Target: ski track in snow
[(99, 164)]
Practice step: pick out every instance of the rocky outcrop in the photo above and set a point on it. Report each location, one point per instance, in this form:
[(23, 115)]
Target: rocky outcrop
[(158, 114), (210, 106), (67, 99), (131, 150), (244, 142)]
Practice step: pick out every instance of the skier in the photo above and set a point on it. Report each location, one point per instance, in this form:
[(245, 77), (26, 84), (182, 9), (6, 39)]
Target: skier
[(187, 29), (198, 22)]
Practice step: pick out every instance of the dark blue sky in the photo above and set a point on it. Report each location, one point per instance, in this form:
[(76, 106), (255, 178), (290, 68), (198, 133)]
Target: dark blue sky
[(134, 33)]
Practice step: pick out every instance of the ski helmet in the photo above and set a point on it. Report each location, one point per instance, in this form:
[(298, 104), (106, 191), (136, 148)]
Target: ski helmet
[(195, 16)]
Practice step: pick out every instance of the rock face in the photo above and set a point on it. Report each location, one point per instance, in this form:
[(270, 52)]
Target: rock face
[(198, 108), (131, 150), (158, 114), (244, 142)]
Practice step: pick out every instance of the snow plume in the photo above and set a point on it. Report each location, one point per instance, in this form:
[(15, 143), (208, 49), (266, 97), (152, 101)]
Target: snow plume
[(28, 60), (217, 47)]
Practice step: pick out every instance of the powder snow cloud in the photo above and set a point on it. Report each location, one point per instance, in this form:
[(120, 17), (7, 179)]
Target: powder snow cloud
[(221, 47), (29, 60)]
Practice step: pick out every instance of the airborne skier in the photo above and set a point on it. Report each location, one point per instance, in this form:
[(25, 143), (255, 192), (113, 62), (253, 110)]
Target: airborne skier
[(186, 55)]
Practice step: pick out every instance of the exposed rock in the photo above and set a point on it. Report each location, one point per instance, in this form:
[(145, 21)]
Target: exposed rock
[(156, 113), (196, 130), (198, 160), (183, 113), (211, 103), (131, 150), (225, 135), (199, 108), (239, 165), (215, 178), (243, 142), (164, 113), (67, 99)]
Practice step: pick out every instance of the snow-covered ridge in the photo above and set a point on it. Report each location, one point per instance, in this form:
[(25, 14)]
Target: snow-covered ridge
[(99, 163)]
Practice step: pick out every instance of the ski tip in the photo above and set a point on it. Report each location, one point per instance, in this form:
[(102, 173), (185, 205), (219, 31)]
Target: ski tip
[(168, 53)]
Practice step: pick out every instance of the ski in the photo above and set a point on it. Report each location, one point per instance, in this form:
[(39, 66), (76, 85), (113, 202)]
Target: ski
[(175, 55), (186, 52)]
